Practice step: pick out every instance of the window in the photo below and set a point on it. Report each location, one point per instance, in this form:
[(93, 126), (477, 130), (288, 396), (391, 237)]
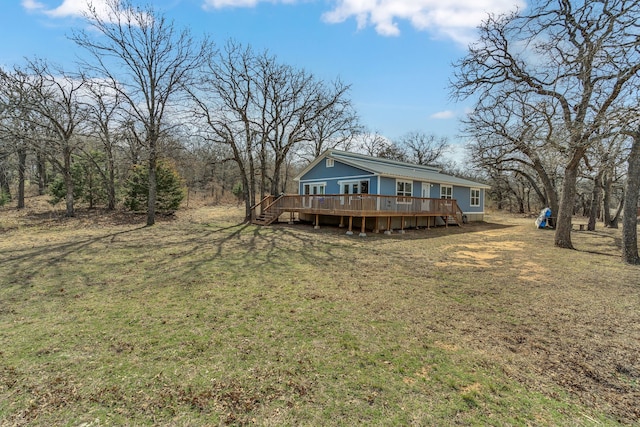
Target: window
[(312, 189), (354, 187), (475, 197), (446, 192), (329, 163), (404, 189)]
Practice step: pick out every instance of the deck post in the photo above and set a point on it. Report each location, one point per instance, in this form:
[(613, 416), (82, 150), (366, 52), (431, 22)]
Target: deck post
[(317, 224), (362, 232), (341, 221), (291, 217), (377, 226), (388, 230), (402, 225), (349, 231)]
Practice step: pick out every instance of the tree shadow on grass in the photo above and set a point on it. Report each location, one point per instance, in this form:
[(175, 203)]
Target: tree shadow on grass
[(599, 243), (190, 248), (23, 263)]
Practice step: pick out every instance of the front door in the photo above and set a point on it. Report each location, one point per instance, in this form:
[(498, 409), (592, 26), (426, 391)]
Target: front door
[(353, 190), (426, 194), (311, 190)]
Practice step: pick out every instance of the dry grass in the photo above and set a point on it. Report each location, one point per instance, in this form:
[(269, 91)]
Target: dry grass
[(201, 320)]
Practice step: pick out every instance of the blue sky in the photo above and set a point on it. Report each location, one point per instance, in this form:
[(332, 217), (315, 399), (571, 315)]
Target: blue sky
[(396, 54)]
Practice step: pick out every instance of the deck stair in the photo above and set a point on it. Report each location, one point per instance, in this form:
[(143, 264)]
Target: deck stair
[(269, 211), (455, 217), (450, 220), (266, 218)]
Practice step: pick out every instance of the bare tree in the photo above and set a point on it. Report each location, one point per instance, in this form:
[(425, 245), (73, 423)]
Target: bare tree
[(580, 57), (630, 210), (423, 148), (337, 127), (51, 108), (145, 59), (262, 110), (512, 134), (602, 160), (292, 102), (372, 143), (105, 109), (225, 108)]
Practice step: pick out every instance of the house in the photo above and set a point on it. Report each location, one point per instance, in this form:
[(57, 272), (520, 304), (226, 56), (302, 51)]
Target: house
[(378, 194)]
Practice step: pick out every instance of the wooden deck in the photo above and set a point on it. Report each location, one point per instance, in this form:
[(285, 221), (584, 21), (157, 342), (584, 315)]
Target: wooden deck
[(355, 205)]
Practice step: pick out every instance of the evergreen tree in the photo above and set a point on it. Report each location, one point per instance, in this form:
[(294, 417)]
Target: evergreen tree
[(170, 191)]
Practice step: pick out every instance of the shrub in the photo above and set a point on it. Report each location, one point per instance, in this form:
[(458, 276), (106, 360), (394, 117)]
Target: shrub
[(87, 183), (169, 188), (57, 188), (4, 198)]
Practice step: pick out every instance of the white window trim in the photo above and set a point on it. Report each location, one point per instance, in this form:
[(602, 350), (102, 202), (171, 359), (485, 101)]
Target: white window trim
[(471, 197), (442, 187), (426, 185), (350, 182), (329, 163), (403, 202), (314, 184)]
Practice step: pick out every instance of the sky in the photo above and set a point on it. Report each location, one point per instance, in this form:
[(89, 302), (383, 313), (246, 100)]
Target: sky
[(397, 55)]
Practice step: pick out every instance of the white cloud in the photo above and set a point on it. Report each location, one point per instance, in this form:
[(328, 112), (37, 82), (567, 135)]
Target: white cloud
[(454, 19), (67, 8), (32, 5), (219, 4), (443, 115), (71, 8)]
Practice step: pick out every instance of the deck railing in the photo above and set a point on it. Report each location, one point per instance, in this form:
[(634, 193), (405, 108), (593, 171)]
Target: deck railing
[(367, 205)]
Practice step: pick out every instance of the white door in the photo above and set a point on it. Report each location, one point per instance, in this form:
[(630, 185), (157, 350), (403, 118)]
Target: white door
[(311, 190), (426, 193)]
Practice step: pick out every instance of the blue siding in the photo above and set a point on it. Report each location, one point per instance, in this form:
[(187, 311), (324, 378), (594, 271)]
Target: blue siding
[(343, 172), (387, 186), (463, 197), (339, 172)]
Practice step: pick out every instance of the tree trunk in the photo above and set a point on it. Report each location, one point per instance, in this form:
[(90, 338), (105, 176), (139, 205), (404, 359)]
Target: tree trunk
[(613, 222), (565, 210), (22, 165), (252, 182), (4, 182), (246, 191), (551, 193), (275, 180), (111, 185), (263, 168), (151, 202), (68, 182), (42, 174), (630, 210), (596, 196)]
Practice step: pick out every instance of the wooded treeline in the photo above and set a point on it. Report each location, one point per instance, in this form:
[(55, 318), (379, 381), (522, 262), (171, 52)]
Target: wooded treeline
[(555, 121), (556, 90)]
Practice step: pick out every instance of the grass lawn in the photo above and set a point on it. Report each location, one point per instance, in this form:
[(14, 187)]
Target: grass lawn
[(202, 320)]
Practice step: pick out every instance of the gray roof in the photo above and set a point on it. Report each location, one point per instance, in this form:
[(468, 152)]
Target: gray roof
[(395, 169)]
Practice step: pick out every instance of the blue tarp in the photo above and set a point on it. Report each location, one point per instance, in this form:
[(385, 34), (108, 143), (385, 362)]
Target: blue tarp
[(543, 218)]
